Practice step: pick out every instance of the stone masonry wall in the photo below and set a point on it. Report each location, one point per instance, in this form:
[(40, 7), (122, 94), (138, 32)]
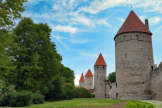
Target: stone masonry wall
[(134, 58), (99, 81), (156, 83), (81, 84), (88, 82)]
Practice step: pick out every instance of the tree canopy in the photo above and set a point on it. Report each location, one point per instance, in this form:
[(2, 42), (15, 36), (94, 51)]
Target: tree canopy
[(112, 77)]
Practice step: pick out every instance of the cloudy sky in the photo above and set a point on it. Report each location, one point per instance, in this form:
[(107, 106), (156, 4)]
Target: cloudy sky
[(81, 29)]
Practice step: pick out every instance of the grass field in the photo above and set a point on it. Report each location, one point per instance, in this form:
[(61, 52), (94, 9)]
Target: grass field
[(78, 102)]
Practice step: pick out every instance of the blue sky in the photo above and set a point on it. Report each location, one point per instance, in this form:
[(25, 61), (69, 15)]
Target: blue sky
[(81, 29)]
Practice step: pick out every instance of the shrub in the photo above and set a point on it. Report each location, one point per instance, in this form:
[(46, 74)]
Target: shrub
[(138, 105), (69, 90), (77, 93), (93, 95), (37, 98), (82, 93), (17, 99)]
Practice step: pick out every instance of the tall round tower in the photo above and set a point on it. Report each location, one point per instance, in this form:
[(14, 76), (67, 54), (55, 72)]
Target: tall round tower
[(100, 77), (88, 80), (134, 59)]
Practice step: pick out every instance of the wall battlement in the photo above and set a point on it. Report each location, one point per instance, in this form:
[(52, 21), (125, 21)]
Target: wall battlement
[(156, 81)]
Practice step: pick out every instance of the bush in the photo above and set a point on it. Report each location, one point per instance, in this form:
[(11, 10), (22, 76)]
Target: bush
[(77, 93), (93, 95), (82, 93), (17, 99), (138, 105), (37, 98), (69, 90)]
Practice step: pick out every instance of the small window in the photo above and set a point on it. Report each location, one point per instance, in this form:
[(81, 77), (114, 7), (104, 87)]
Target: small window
[(136, 36), (124, 37), (116, 85), (151, 67), (90, 83), (103, 67), (97, 76), (97, 66), (125, 55)]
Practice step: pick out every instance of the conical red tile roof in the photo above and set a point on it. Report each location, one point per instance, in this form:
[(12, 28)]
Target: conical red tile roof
[(89, 73), (81, 78), (100, 61), (133, 24)]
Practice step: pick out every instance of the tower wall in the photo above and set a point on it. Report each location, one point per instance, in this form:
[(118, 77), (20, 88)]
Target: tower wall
[(81, 84), (88, 82), (134, 58), (99, 81)]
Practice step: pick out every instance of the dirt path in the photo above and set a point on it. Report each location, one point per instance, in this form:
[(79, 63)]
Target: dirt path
[(119, 105)]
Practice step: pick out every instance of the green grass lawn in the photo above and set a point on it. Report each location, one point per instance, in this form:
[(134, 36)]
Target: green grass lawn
[(77, 102)]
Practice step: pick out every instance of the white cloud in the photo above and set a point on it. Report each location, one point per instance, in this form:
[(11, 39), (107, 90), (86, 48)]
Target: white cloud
[(155, 20), (76, 80), (73, 40), (143, 17), (121, 19), (157, 30), (64, 29), (98, 5), (103, 21), (59, 39)]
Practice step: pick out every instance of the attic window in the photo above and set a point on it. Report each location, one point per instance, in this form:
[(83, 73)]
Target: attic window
[(125, 55), (124, 37)]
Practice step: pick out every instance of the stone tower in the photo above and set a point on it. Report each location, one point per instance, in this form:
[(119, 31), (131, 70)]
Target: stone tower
[(134, 59), (88, 80), (100, 77), (81, 81)]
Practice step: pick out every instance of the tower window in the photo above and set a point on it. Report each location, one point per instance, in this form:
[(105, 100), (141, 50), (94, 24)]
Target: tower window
[(151, 67), (136, 36), (116, 85), (125, 55), (124, 37)]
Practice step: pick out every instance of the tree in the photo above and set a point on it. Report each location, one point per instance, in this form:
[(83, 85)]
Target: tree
[(9, 11), (35, 56), (25, 56), (67, 74), (112, 77)]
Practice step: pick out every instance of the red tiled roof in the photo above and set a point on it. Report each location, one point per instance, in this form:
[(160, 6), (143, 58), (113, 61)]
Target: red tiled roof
[(81, 78), (89, 73), (100, 61), (133, 24)]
